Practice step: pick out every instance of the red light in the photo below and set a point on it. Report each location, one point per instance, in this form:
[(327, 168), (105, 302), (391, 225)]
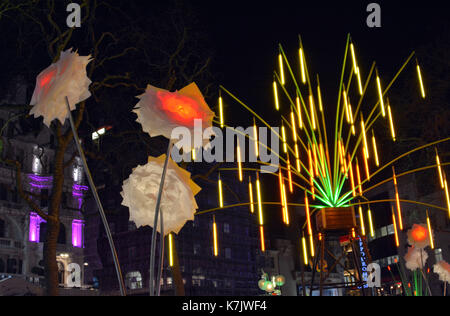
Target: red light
[(419, 233), (45, 79), (181, 109), (389, 268)]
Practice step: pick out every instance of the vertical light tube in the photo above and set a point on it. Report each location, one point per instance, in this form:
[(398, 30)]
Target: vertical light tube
[(299, 110), (358, 177), (397, 199), (222, 120), (397, 243), (313, 116), (375, 150), (220, 192), (305, 251), (391, 122), (250, 192), (430, 232), (255, 136), (369, 214), (438, 162), (280, 61), (170, 250), (263, 242), (275, 92), (260, 210), (239, 158), (422, 88), (302, 66), (361, 219), (216, 244), (308, 219), (294, 127), (283, 133), (380, 95)]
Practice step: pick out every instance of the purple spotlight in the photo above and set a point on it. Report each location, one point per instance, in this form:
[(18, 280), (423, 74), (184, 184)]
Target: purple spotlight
[(35, 222), (77, 233)]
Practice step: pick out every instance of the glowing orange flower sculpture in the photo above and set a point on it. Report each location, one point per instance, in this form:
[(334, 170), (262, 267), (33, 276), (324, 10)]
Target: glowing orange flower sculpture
[(66, 77), (160, 111), (418, 236)]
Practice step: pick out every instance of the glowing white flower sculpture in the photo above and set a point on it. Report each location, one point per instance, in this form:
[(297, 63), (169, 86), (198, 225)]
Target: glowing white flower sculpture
[(178, 203), (66, 77), (160, 111), (415, 258), (443, 270), (418, 236)]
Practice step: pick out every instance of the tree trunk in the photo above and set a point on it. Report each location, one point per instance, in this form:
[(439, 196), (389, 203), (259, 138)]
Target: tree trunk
[(51, 265)]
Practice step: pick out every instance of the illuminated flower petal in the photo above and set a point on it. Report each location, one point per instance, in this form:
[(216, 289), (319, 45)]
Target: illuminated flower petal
[(416, 258), (66, 77), (443, 270), (178, 203), (160, 112), (418, 236)]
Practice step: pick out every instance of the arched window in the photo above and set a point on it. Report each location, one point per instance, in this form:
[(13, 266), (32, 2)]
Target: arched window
[(2, 229), (133, 280)]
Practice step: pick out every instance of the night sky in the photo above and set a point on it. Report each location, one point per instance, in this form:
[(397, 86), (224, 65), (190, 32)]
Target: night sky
[(245, 35)]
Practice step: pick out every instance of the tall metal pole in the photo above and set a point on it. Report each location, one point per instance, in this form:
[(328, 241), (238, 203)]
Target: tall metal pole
[(155, 223), (97, 200)]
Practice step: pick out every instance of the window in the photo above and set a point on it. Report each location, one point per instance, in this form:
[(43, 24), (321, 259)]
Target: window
[(197, 249), (2, 229), (226, 228), (228, 253)]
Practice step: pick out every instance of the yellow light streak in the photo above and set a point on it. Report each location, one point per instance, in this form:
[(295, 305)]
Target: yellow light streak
[(275, 92), (250, 192), (397, 200), (281, 185), (286, 210), (380, 94), (294, 128), (222, 120), (358, 74), (375, 150), (430, 232), (305, 251), (220, 193), (422, 88), (361, 219), (263, 243), (311, 243), (255, 136), (280, 60), (316, 165), (239, 161), (319, 96), (438, 162), (313, 116), (297, 157), (346, 106), (308, 219), (369, 214), (216, 244), (391, 121), (363, 131), (358, 177), (302, 66), (446, 195), (283, 133), (366, 165), (355, 65), (352, 180), (170, 250), (397, 243), (260, 210), (291, 187), (194, 154), (299, 113)]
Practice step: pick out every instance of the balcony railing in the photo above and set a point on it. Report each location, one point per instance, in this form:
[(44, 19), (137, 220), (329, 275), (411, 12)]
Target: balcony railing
[(6, 243)]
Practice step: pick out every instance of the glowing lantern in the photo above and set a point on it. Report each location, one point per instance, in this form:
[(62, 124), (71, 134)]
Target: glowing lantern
[(66, 77), (160, 112), (178, 203), (443, 270)]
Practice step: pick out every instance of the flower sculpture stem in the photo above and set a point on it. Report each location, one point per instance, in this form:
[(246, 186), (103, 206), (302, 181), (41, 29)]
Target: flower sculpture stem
[(99, 204), (161, 256), (155, 224)]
